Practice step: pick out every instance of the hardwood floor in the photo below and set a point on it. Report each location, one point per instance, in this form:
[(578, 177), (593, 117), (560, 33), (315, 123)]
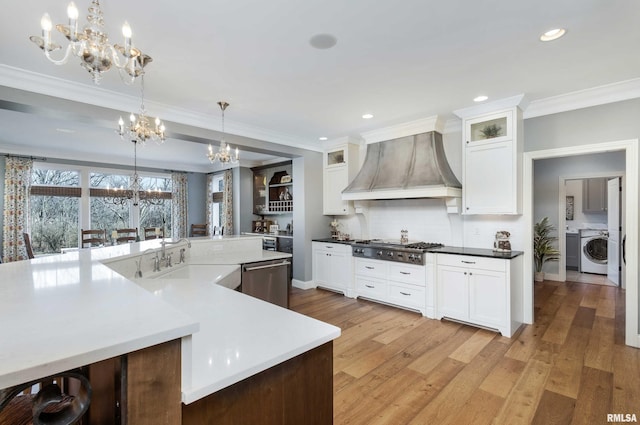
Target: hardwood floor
[(393, 366)]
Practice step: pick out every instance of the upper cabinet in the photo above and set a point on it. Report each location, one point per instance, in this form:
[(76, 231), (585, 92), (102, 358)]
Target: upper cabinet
[(340, 167), (491, 162), (594, 195)]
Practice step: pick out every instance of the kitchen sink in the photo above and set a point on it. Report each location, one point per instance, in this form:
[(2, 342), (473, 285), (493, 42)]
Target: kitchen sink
[(224, 275)]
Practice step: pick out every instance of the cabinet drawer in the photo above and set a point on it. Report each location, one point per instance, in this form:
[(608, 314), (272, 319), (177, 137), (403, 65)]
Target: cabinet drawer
[(332, 247), (407, 295), (371, 268), (472, 262), (371, 287), (407, 273)]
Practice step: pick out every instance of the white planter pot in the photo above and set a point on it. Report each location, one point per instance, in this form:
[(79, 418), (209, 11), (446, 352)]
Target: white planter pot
[(539, 276)]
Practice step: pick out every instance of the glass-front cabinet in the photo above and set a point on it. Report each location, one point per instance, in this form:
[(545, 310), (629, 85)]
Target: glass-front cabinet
[(489, 128)]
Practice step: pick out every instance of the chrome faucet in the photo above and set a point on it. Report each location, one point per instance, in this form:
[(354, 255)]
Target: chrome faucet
[(164, 243)]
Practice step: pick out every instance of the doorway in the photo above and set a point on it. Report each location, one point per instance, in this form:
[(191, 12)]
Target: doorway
[(631, 194), (590, 248)]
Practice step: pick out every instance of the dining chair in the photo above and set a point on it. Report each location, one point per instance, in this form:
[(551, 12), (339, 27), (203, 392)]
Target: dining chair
[(93, 237), (150, 233), (126, 235), (199, 230), (27, 245)]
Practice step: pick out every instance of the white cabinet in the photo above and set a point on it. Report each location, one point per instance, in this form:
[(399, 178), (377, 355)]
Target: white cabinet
[(340, 167), (404, 285), (332, 266), (491, 163), (483, 291)]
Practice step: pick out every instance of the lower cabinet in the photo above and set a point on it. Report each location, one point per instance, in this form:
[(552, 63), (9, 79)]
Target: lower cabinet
[(331, 266), (403, 285), (481, 291)]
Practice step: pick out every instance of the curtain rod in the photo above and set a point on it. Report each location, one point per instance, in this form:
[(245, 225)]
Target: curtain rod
[(25, 157)]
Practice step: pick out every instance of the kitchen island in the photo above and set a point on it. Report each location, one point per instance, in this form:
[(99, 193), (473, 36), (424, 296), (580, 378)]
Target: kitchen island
[(72, 310)]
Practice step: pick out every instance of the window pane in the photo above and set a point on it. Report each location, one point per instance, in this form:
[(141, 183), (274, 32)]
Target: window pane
[(156, 213), (42, 177), (111, 181), (54, 223), (109, 213)]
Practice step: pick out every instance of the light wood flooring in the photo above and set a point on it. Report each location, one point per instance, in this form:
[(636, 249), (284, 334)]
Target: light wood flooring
[(393, 366)]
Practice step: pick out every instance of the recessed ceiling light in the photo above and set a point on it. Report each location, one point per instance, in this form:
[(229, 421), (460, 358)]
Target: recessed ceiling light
[(65, 130), (480, 98), (323, 138), (553, 34), (367, 116), (323, 41)]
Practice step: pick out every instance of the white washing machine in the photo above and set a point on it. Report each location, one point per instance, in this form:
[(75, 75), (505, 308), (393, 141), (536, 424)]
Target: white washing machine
[(593, 249)]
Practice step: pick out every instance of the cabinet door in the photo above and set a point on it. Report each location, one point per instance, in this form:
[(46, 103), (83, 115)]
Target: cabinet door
[(340, 270), (489, 128), (573, 251), (321, 267), (487, 298), (594, 195), (335, 180), (452, 293), (490, 181)]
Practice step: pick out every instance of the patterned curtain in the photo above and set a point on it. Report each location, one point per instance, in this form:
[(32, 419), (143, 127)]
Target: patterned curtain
[(209, 203), (17, 183), (227, 203), (179, 205)]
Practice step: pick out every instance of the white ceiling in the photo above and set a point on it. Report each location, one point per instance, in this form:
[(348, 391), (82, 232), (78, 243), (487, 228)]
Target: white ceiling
[(398, 60)]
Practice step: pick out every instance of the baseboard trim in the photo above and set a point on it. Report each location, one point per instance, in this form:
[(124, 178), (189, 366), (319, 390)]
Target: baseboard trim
[(310, 284)]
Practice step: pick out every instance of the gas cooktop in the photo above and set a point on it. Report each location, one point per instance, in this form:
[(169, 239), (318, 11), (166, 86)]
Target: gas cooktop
[(393, 251)]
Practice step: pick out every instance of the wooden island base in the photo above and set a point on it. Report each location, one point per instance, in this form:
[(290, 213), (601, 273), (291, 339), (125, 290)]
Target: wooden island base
[(298, 391)]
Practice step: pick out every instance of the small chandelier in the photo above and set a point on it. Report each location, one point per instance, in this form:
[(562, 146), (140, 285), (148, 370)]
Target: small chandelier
[(140, 129), (134, 192), (91, 45), (223, 155)]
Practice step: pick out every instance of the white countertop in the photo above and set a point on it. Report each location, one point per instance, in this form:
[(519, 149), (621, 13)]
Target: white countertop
[(239, 335), (64, 311), (69, 310)]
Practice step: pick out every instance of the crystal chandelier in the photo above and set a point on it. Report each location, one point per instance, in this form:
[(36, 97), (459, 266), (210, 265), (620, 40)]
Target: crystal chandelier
[(135, 192), (91, 45), (140, 129), (223, 155)]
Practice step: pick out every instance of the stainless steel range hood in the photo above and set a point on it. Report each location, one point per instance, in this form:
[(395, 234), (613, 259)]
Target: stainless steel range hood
[(409, 167)]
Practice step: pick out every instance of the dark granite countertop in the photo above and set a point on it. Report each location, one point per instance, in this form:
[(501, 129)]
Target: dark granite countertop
[(476, 252), (280, 234), (331, 240)]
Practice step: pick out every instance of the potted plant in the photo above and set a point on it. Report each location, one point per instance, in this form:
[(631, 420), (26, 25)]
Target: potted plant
[(543, 249)]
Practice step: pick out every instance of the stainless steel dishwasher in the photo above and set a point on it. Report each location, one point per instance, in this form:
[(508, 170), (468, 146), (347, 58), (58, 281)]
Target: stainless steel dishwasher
[(268, 281)]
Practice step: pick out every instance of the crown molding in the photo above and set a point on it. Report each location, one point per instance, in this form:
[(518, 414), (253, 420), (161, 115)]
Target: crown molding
[(89, 94), (490, 107), (422, 125), (608, 93)]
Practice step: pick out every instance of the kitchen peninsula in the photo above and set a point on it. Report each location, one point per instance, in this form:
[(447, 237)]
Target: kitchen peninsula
[(89, 307)]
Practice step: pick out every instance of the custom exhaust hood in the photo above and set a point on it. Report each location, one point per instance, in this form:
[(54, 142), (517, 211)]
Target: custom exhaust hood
[(412, 166)]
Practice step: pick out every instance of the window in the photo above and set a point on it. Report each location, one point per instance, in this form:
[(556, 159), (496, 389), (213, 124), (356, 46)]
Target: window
[(155, 206), (108, 210), (60, 196), (216, 209), (54, 210)]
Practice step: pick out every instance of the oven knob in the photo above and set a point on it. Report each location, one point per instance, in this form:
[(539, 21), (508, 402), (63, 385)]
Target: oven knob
[(379, 253), (411, 257), (389, 254), (418, 258)]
